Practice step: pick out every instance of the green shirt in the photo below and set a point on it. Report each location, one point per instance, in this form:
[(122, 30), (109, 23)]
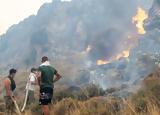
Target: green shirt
[(47, 76)]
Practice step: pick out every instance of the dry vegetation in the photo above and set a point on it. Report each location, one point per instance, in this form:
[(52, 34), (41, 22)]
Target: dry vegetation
[(88, 101)]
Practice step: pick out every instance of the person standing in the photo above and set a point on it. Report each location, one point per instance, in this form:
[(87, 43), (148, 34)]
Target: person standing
[(9, 87), (32, 81), (46, 82)]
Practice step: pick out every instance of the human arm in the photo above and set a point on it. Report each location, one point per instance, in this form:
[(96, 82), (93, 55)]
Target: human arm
[(38, 75), (7, 88), (58, 77)]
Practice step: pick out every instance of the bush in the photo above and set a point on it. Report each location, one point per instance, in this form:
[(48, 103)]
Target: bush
[(79, 93), (155, 91), (93, 91), (140, 102)]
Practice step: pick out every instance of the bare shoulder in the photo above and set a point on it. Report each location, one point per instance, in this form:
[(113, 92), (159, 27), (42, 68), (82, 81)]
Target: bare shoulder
[(7, 80)]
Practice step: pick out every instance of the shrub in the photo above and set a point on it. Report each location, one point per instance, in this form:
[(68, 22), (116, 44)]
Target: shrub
[(80, 94), (140, 102)]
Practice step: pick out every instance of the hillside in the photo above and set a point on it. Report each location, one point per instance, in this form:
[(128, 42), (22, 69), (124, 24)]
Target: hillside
[(76, 36), (145, 101), (62, 30)]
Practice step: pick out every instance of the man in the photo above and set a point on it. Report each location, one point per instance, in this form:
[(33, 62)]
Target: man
[(32, 81), (46, 81), (9, 87)]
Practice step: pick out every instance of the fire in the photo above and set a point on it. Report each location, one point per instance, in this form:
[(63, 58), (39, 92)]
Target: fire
[(102, 62), (124, 54), (139, 20)]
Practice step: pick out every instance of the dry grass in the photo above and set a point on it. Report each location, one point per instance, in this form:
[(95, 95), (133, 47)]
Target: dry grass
[(100, 106), (145, 102)]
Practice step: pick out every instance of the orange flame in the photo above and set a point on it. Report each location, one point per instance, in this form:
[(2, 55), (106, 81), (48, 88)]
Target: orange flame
[(102, 62), (139, 20), (117, 57), (123, 54)]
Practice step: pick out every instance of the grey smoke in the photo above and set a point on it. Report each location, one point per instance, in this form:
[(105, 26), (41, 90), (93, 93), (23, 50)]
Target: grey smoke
[(71, 26), (63, 30)]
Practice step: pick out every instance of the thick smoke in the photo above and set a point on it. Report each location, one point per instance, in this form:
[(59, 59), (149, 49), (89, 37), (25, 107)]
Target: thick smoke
[(63, 31), (71, 26), (142, 59), (102, 48)]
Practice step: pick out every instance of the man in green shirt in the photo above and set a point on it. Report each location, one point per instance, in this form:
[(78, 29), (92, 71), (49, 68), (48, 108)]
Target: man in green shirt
[(46, 82)]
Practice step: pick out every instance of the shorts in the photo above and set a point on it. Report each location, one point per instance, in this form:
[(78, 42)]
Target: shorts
[(10, 107), (46, 95)]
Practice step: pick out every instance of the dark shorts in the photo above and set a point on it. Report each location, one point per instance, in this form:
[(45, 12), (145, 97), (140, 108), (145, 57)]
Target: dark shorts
[(46, 95)]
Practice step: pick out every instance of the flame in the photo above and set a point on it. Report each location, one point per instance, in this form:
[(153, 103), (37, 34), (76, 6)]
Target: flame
[(102, 62), (139, 20), (124, 54)]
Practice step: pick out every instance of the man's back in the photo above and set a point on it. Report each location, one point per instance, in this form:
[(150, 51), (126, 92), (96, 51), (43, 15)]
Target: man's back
[(47, 76)]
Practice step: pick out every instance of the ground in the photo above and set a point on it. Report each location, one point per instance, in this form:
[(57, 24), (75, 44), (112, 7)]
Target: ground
[(146, 101)]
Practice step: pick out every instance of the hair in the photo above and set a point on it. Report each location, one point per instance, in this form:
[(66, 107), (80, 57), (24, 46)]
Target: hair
[(44, 59), (11, 71), (33, 69)]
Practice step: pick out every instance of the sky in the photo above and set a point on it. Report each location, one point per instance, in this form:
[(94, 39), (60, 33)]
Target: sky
[(14, 11)]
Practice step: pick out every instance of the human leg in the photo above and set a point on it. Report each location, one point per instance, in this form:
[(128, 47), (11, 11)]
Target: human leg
[(10, 108), (46, 95)]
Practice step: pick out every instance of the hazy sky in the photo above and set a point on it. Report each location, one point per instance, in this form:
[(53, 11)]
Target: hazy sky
[(14, 11)]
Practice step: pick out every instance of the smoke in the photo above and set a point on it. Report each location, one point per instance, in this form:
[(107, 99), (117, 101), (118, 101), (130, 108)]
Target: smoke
[(63, 31), (152, 21), (77, 24), (101, 24), (102, 48)]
